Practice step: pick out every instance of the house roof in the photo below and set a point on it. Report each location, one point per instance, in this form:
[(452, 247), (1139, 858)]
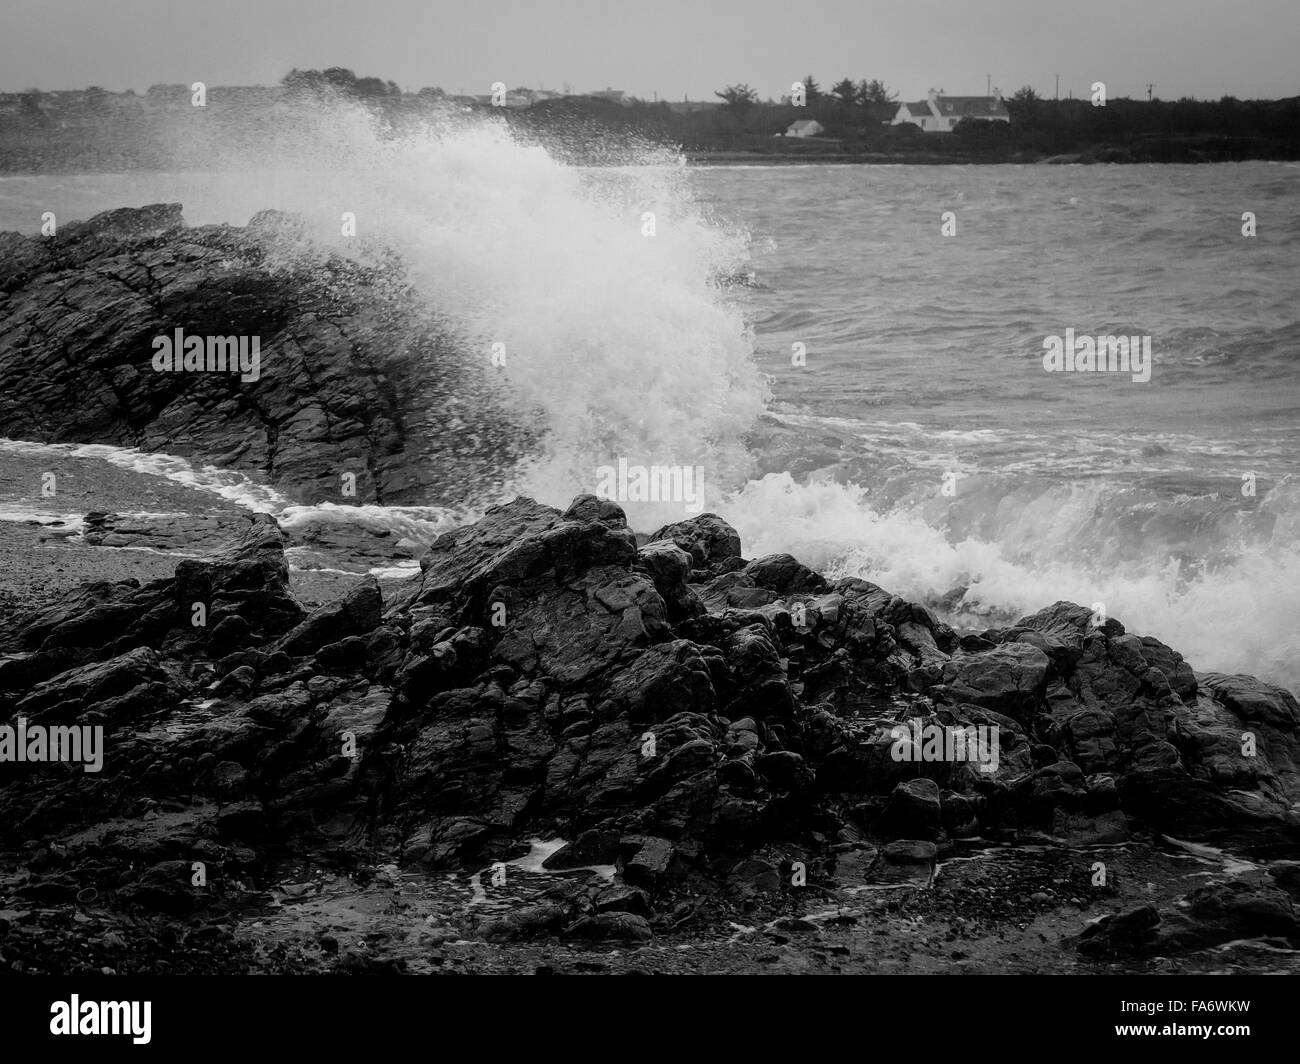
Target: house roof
[(805, 123), (970, 106), (919, 109)]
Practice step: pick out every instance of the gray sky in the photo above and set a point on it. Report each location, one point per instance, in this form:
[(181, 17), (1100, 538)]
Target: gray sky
[(673, 47)]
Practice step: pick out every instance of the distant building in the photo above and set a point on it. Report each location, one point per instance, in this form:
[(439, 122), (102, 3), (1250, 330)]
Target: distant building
[(940, 114), (805, 127)]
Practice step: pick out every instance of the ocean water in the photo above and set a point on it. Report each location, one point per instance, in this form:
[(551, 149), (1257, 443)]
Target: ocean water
[(923, 445)]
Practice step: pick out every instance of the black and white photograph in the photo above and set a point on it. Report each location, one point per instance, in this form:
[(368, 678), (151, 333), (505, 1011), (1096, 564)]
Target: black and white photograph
[(598, 488)]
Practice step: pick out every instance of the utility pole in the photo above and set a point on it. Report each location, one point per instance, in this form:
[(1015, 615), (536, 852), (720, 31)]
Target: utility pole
[(1058, 88), (988, 84), (1150, 85)]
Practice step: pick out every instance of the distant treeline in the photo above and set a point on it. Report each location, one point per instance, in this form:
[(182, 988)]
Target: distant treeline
[(1124, 130), (94, 130)]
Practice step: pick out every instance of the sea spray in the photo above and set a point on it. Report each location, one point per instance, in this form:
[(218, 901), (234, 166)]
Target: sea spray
[(1238, 614), (615, 344), (603, 341)]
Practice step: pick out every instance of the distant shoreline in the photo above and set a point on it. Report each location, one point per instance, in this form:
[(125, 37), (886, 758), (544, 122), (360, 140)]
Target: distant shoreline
[(755, 159), (92, 131)]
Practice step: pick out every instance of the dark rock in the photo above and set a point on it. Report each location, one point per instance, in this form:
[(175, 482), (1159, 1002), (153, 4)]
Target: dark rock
[(649, 866), (708, 539), (83, 307), (682, 720), (756, 875), (589, 508), (913, 811), (1254, 701), (910, 851), (1124, 933), (623, 899), (529, 922), (166, 887), (610, 926), (1008, 678), (783, 574), (357, 614), (784, 769), (1226, 912), (669, 567), (595, 847)]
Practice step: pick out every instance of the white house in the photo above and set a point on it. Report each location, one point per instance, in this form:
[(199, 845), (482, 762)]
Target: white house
[(805, 127), (940, 114)]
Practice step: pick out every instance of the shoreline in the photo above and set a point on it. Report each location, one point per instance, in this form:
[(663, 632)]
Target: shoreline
[(990, 902)]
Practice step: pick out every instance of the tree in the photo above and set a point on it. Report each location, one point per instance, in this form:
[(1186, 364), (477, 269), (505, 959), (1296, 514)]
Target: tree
[(846, 92), (300, 79), (738, 97), (375, 88), (339, 80), (875, 92), (811, 90), (1022, 105)]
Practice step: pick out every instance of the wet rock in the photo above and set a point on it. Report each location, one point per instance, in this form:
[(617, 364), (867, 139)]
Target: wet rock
[(1008, 678), (784, 574), (624, 899), (528, 922), (672, 720), (708, 539), (1118, 934), (242, 820), (595, 847), (910, 852), (1226, 912), (357, 614), (754, 875), (649, 865), (960, 814), (913, 811), (165, 887), (759, 685), (589, 508), (1254, 701), (134, 681), (669, 567), (1287, 876), (610, 926), (784, 770), (76, 357)]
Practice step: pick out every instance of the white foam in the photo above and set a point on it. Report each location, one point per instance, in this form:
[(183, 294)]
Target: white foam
[(230, 485), (1240, 616)]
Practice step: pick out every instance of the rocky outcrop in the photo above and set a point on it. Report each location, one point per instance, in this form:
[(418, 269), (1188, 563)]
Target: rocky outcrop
[(676, 711), (359, 395)]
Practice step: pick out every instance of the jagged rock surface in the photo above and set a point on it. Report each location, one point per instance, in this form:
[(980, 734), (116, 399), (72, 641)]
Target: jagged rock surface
[(545, 675), (355, 376)]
